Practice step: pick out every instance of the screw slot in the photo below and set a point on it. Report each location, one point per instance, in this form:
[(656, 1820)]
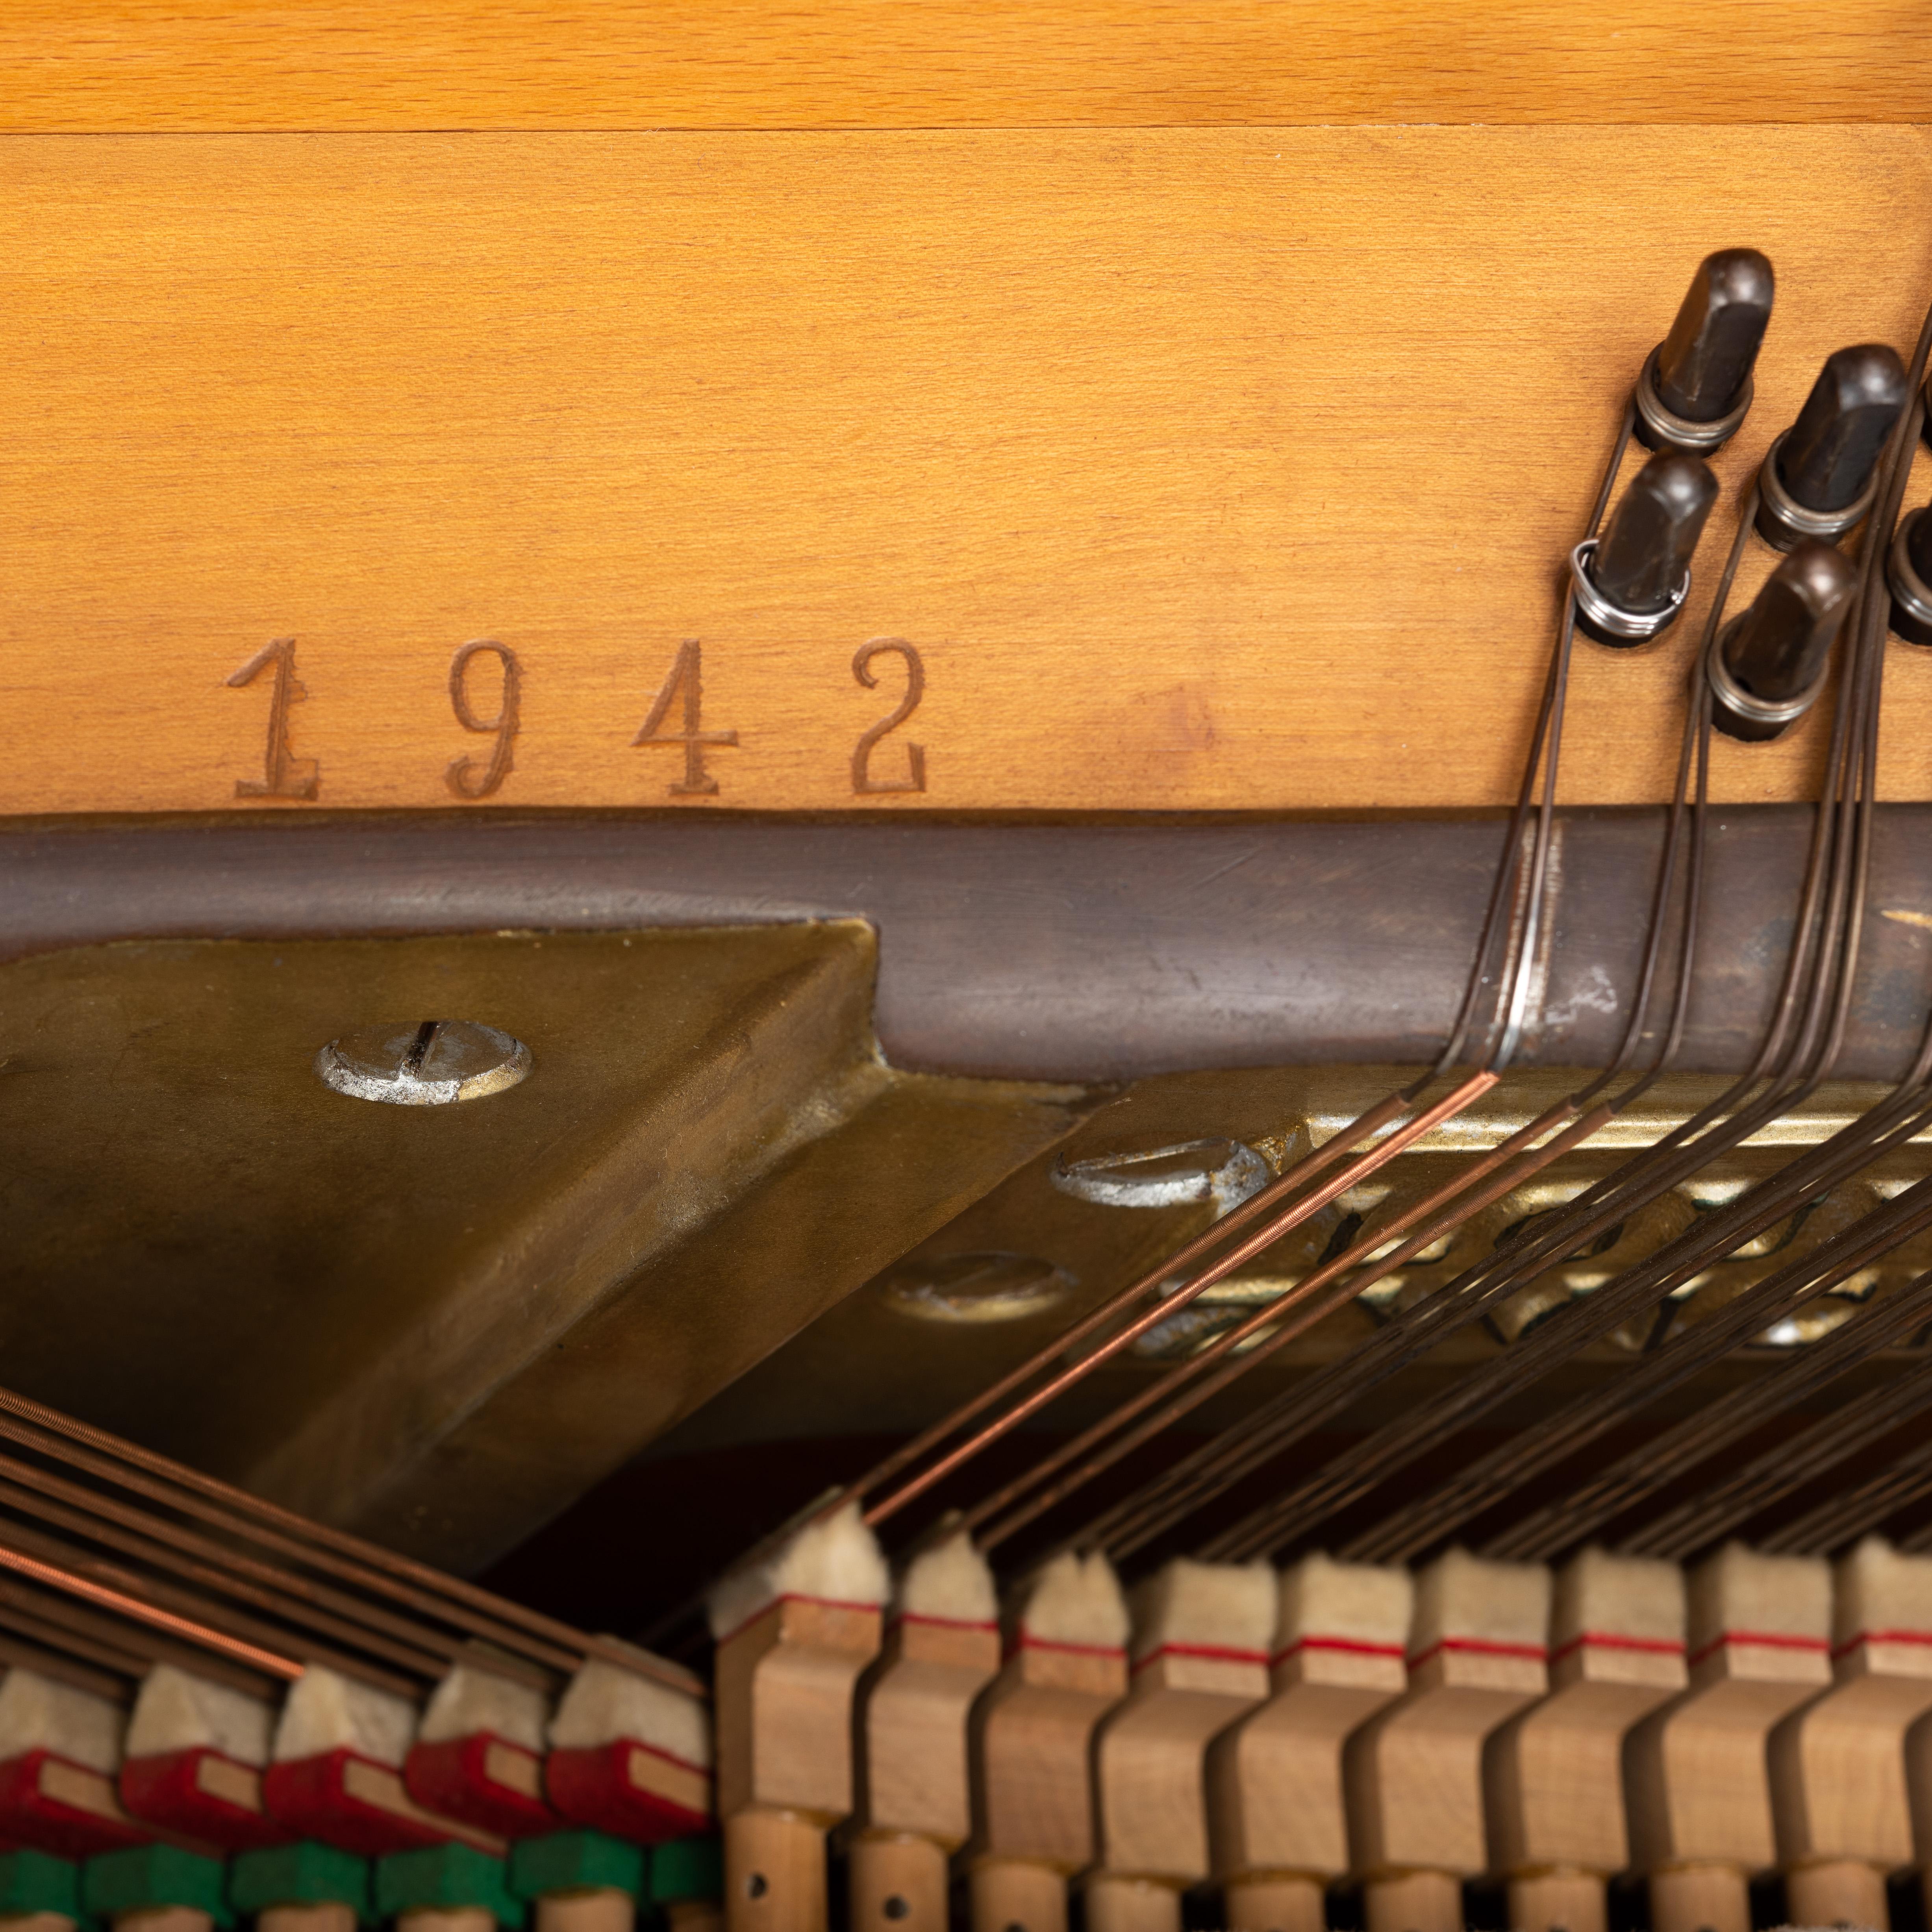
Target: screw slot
[(991, 1287), (423, 1063), (1222, 1172)]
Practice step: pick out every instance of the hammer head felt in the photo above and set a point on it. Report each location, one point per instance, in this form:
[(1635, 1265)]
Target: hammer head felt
[(40, 1714), (1740, 1593), (176, 1710), (1461, 1598), (1222, 1607), (951, 1582), (835, 1559), (1072, 1599), (606, 1703), (1369, 1603), (1636, 1598), (1877, 1590), (325, 1711), (471, 1699)]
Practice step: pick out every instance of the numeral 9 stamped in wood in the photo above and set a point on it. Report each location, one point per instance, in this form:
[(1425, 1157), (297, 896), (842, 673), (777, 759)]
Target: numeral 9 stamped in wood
[(465, 777)]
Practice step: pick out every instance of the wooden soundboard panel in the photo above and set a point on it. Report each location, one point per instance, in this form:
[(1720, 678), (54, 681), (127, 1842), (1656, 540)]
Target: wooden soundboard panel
[(138, 66), (1104, 467)]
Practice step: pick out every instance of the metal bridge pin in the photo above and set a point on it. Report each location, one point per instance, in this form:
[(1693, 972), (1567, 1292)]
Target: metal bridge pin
[(1631, 582), (1819, 477), (1768, 664), (1695, 387)]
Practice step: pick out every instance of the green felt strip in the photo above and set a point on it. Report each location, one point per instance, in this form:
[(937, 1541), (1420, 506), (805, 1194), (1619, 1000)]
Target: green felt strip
[(576, 1861), (306, 1874), (34, 1882), (144, 1878), (688, 1868), (448, 1875)]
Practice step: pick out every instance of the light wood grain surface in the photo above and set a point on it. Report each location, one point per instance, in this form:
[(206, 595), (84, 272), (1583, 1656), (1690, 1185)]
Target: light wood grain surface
[(1150, 1789), (232, 64), (913, 1707), (1414, 1774), (784, 1687), (1552, 1781), (1696, 1782), (1031, 1734), (1274, 1782), (785, 1683), (1201, 469), (1839, 1794)]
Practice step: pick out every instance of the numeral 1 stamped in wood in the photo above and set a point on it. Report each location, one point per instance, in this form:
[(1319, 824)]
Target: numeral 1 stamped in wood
[(465, 776), (863, 783), (283, 775), (686, 679)]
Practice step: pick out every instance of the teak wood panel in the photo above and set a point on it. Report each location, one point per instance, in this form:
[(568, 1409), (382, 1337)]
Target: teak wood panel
[(76, 65), (1200, 468)]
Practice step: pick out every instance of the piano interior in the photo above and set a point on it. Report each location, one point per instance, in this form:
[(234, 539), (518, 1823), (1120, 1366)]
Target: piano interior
[(965, 968)]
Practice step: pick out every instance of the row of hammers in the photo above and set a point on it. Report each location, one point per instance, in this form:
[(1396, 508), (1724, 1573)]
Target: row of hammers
[(211, 1708), (1276, 1734)]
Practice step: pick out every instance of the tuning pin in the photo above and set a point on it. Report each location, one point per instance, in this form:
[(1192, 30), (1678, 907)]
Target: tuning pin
[(1769, 664), (1695, 387), (1819, 477), (1908, 570), (1631, 582)]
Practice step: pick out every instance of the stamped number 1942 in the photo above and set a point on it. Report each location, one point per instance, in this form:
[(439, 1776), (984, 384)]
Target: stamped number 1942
[(674, 721)]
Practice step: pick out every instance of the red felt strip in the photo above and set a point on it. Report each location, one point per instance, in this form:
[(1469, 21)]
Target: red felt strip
[(1478, 1646), (1349, 1644), (1658, 1646), (1770, 1639), (1216, 1653)]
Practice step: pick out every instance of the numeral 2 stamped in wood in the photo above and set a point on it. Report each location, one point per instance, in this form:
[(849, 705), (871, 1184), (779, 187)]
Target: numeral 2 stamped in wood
[(863, 783), (283, 775), (465, 776), (686, 679)]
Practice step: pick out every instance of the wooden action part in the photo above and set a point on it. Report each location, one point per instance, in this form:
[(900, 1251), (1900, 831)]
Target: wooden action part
[(1414, 1780), (785, 1681), (324, 1915), (898, 1879), (1032, 1804), (1838, 1793), (1277, 1817), (914, 1804), (1553, 1782), (599, 1908), (1699, 1800), (421, 1918), (1006, 1892), (192, 1919), (1553, 1775), (1114, 1903), (1149, 1794), (774, 1872), (1842, 1768), (694, 1915)]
